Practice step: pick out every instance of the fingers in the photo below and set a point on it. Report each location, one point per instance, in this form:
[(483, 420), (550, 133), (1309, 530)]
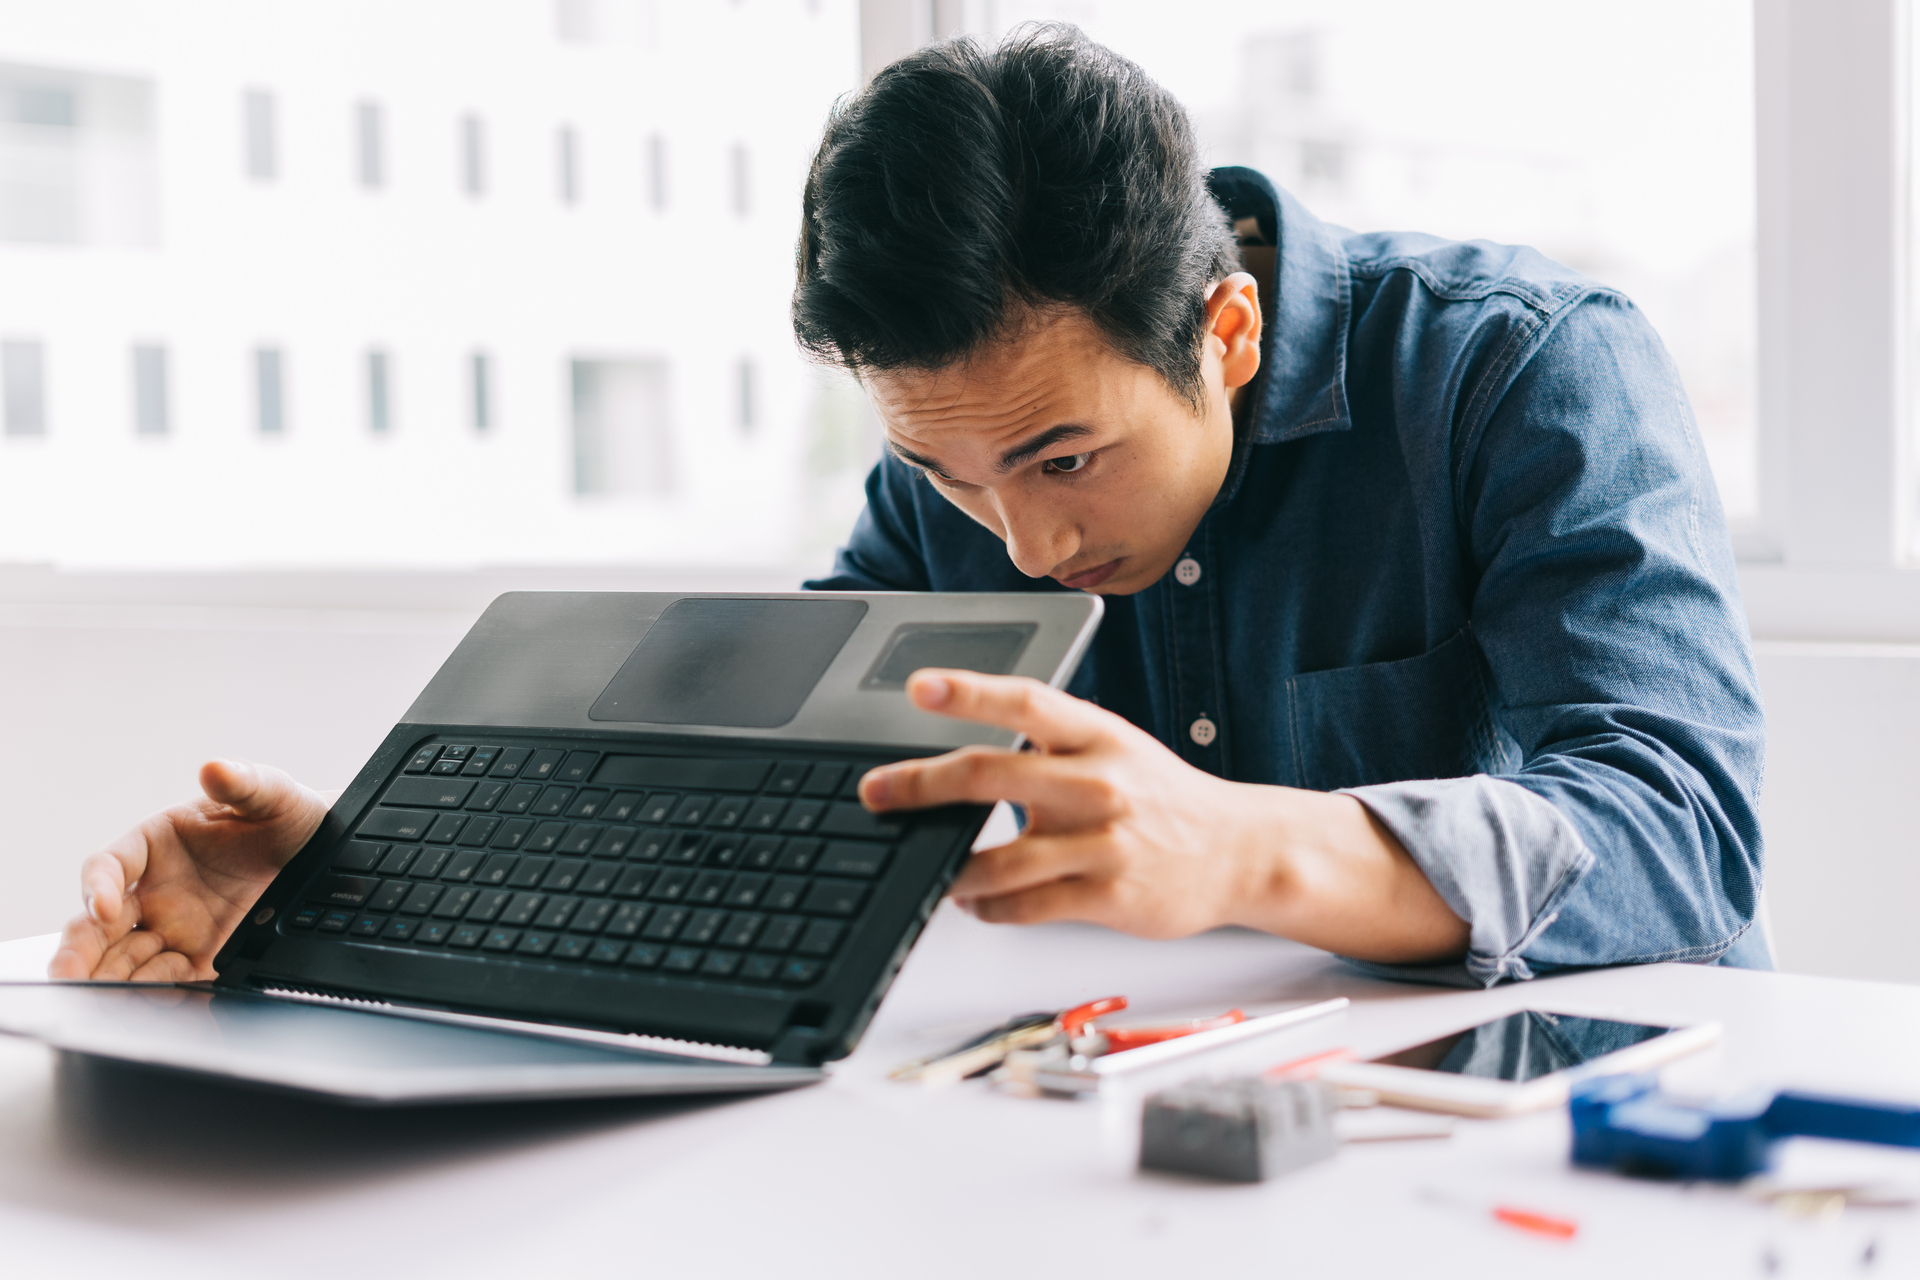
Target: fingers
[(82, 944), (1052, 719), (255, 792), (1030, 861), (1060, 792), (125, 957), (1055, 900)]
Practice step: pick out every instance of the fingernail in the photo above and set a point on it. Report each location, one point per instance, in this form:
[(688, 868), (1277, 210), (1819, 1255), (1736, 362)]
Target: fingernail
[(876, 788), (93, 909), (932, 691)]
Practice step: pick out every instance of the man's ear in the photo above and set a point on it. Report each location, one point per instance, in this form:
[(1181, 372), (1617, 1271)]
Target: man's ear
[(1233, 319)]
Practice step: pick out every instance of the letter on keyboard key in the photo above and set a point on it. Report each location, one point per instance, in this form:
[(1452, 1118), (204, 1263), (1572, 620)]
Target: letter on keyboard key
[(846, 858), (478, 832), (392, 894), (785, 894), (780, 933), (803, 815), (598, 878), (496, 869), (703, 927), (834, 897), (433, 793), (628, 918), (556, 913), (592, 916), (421, 900), (821, 937), (523, 908), (720, 964), (546, 837), (454, 902), (665, 923), (464, 865), (445, 828), (358, 855), (851, 820), (348, 891), (397, 824)]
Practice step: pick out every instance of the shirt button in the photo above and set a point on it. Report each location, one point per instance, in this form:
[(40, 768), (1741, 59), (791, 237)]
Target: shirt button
[(1187, 572), (1202, 731)]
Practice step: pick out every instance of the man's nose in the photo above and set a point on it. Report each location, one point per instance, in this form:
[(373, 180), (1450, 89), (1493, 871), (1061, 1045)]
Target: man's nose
[(1037, 542)]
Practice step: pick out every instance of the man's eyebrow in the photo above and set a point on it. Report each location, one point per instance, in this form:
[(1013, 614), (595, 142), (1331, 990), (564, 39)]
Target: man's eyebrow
[(1020, 454), (908, 455)]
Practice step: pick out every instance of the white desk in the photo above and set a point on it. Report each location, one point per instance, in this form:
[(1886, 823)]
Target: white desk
[(115, 1171)]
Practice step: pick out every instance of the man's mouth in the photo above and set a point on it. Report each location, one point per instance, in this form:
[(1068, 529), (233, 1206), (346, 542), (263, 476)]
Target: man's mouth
[(1091, 578)]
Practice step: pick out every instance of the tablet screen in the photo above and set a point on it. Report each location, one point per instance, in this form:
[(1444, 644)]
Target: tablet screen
[(1523, 1046)]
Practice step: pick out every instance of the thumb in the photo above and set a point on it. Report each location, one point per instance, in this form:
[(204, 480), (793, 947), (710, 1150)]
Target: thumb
[(255, 792)]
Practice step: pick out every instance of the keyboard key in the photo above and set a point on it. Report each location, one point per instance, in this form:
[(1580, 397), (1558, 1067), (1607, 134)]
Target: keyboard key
[(553, 802), (798, 856), (513, 833), (483, 758), (519, 798), (780, 933), (523, 908), (644, 955), (821, 937), (427, 866), (764, 815), (803, 815), (727, 813), (785, 894), (460, 752), (350, 891), (692, 811), (565, 874), (824, 780), (467, 935), (500, 940), (535, 942), (588, 803), (446, 766), (392, 894), (852, 820), (556, 913), (850, 790), (679, 773), (614, 842), (787, 777), (455, 901), (479, 831), (398, 859), (496, 869), (723, 851), (543, 765), (423, 759), (682, 960), (845, 858), (337, 919), (710, 888), (511, 761), (579, 766), (634, 882), (685, 847), (486, 795), (399, 929), (581, 837), (305, 918), (530, 872), (592, 916), (432, 932), (397, 824), (762, 853), (703, 927), (741, 929), (546, 837), (572, 947), (746, 889), (671, 885), (665, 923), (659, 806), (445, 828), (487, 906), (651, 844), (368, 926), (798, 973), (358, 855), (834, 898), (598, 878), (720, 964), (430, 793), (606, 951), (624, 805), (628, 918), (464, 865), (421, 900), (760, 968)]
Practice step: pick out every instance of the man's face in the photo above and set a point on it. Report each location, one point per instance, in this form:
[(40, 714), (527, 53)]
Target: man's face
[(1089, 467)]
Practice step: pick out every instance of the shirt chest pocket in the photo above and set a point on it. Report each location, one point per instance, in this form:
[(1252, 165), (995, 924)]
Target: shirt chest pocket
[(1424, 717)]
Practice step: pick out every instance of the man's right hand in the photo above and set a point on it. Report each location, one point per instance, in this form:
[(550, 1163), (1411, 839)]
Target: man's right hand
[(162, 898)]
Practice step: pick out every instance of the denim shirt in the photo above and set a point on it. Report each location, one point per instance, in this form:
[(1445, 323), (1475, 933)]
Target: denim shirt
[(1469, 566)]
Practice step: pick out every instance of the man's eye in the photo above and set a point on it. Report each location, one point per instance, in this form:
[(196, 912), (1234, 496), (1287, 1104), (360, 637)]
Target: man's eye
[(1067, 466)]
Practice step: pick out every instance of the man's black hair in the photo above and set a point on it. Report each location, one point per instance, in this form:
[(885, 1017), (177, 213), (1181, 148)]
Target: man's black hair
[(966, 188)]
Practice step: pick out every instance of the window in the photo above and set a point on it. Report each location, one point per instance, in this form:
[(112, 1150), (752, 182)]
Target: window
[(77, 162), (745, 407), (473, 156), (269, 392), (150, 391), (480, 390), (369, 141), (622, 435), (379, 411), (23, 373), (261, 153), (739, 171), (567, 164), (657, 173)]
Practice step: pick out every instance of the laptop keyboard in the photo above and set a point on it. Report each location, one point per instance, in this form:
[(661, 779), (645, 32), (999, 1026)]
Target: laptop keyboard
[(738, 869)]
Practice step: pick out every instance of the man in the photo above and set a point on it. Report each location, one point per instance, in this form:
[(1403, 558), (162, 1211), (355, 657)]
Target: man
[(1422, 644)]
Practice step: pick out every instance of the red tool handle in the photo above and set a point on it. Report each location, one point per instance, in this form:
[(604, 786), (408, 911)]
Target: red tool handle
[(1074, 1021), (1120, 1039)]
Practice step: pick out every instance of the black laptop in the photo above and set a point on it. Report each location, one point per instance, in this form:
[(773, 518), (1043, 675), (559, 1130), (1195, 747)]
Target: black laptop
[(615, 847)]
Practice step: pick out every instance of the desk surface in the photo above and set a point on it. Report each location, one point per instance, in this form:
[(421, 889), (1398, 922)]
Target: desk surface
[(103, 1169)]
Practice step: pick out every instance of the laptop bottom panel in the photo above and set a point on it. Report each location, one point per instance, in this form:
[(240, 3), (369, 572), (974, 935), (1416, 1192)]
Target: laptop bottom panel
[(352, 1055)]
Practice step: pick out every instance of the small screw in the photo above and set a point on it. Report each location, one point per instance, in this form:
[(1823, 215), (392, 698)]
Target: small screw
[(263, 915)]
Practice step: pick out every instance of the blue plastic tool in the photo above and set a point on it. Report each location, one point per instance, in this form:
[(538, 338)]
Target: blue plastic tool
[(1626, 1123)]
